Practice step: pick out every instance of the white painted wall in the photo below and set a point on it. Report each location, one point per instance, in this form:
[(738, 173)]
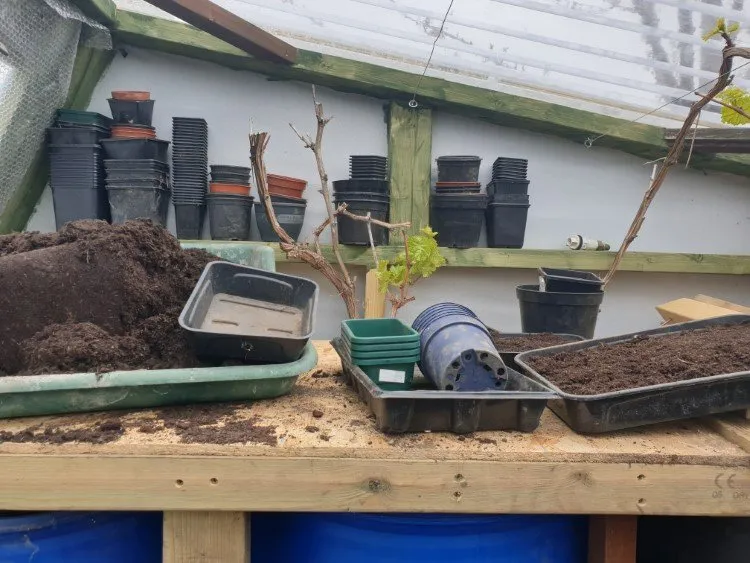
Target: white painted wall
[(573, 189)]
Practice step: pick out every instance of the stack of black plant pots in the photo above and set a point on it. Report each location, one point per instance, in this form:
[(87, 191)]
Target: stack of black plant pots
[(230, 205), (190, 175), (290, 213), (76, 174), (456, 206), (138, 182), (509, 203), (366, 191)]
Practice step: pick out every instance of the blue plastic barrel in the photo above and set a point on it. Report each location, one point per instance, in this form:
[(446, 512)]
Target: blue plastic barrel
[(401, 538), (81, 537)]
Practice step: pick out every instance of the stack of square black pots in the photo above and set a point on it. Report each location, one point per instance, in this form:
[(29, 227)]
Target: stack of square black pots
[(136, 162), (509, 203), (230, 205), (189, 175), (366, 191), (76, 174), (456, 206)]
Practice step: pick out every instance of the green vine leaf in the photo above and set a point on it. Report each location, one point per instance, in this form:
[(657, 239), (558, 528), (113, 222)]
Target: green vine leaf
[(739, 98), (720, 29), (424, 260)]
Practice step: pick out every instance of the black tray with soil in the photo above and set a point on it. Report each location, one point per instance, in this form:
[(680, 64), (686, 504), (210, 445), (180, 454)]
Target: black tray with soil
[(424, 408), (676, 372), (510, 344)]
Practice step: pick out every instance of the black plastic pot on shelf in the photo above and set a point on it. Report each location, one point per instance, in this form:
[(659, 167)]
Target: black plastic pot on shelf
[(458, 168), (229, 216), (138, 202), (130, 111), (361, 203), (569, 281), (189, 220), (506, 221), (129, 149), (507, 187), (361, 186), (82, 203), (76, 135), (569, 313), (290, 216), (458, 219), (230, 174)]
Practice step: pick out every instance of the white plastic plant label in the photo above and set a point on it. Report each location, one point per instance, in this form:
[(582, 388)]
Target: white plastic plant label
[(391, 376), (542, 284)]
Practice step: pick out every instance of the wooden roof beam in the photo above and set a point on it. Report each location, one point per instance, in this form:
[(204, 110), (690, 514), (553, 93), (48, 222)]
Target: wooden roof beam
[(224, 25)]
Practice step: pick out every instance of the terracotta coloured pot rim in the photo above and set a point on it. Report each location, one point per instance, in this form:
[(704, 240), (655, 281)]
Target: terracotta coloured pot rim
[(131, 95), (222, 188), (286, 182)]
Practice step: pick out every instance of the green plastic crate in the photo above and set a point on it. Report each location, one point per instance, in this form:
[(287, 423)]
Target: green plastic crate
[(243, 253), (380, 355), (378, 331), (83, 117)]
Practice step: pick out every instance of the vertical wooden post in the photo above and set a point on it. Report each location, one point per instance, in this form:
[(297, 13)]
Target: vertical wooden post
[(410, 159), (374, 300), (206, 537), (612, 539)]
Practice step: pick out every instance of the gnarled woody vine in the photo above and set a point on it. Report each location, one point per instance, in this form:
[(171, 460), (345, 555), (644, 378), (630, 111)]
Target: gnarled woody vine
[(313, 254)]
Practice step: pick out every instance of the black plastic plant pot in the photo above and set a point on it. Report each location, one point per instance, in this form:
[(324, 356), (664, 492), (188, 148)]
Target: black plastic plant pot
[(129, 149), (568, 313), (458, 168), (287, 199), (356, 232), (189, 220), (290, 216), (129, 111), (136, 164), (458, 219), (457, 354), (75, 204), (569, 281), (241, 313), (229, 216), (76, 135), (132, 202), (228, 178), (361, 186), (503, 187), (506, 224)]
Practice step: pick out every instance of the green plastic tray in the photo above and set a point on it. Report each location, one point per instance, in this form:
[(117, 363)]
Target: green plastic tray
[(35, 395), (378, 331), (408, 346), (405, 370), (391, 354), (83, 117), (244, 253)]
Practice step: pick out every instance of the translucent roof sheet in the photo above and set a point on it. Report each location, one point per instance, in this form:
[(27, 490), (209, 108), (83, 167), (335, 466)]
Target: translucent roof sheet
[(617, 57)]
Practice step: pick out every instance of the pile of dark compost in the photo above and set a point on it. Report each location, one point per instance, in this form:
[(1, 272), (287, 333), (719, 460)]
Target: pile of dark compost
[(95, 297)]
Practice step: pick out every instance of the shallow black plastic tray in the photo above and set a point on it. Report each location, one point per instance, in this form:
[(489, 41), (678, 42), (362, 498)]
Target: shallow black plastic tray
[(424, 408), (253, 295), (509, 356), (646, 405)]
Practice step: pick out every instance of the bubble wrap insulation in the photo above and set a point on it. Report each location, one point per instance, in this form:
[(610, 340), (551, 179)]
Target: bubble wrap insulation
[(38, 42)]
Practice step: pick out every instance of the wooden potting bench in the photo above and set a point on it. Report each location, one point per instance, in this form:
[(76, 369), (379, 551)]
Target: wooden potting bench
[(330, 457)]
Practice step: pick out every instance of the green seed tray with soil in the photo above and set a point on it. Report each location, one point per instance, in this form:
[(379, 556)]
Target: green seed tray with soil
[(681, 371), (90, 323)]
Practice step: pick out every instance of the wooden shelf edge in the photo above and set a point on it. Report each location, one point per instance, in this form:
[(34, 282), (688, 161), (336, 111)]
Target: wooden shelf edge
[(378, 81), (103, 11), (529, 259)]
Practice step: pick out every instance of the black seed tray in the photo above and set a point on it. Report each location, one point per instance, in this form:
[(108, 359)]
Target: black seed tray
[(423, 409), (606, 412)]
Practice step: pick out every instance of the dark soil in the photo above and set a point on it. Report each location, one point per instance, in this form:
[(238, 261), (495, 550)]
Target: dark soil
[(102, 433), (649, 360), (95, 297), (505, 343), (212, 424)]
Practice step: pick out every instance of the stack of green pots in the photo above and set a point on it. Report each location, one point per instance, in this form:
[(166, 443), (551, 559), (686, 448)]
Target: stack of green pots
[(385, 349)]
